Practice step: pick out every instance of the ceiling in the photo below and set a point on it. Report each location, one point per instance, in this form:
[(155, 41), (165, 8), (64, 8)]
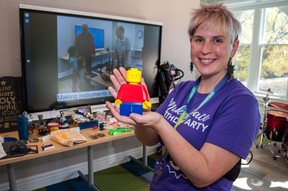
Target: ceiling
[(250, 3), (234, 1)]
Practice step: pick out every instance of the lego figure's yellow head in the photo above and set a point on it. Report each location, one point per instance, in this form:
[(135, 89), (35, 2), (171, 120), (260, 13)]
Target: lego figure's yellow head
[(133, 76)]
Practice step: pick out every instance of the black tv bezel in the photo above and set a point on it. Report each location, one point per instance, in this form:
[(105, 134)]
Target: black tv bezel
[(84, 14)]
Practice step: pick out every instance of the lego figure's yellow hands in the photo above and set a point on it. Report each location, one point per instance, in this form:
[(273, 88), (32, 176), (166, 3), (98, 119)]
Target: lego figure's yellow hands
[(117, 103), (146, 105)]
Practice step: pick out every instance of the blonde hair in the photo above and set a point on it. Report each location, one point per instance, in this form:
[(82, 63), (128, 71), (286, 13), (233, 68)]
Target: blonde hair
[(216, 16)]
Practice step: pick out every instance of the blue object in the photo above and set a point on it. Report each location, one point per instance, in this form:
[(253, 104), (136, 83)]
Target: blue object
[(126, 108), (10, 139), (22, 125), (102, 126), (88, 124)]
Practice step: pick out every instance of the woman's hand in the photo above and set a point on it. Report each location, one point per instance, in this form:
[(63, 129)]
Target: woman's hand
[(118, 78), (116, 114), (148, 119)]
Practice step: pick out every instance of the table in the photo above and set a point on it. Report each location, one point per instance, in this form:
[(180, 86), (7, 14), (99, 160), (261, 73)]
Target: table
[(59, 149), (99, 54)]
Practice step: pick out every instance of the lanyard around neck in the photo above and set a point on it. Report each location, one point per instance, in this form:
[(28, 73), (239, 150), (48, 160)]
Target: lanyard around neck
[(193, 91)]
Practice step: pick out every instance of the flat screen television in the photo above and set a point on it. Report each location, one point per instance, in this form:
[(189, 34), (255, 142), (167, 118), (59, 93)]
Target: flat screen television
[(52, 80)]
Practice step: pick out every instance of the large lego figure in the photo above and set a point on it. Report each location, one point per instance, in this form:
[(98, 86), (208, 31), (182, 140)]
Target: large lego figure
[(132, 97)]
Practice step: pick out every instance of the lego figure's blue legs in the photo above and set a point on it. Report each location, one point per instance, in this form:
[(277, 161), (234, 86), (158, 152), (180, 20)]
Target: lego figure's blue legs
[(126, 108)]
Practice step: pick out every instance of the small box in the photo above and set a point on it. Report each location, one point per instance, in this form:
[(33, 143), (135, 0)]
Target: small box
[(88, 124)]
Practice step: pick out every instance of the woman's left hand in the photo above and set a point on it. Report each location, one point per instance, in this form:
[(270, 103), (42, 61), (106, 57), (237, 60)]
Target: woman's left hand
[(115, 112)]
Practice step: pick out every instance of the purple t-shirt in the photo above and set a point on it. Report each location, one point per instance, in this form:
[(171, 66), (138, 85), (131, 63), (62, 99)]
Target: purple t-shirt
[(230, 120)]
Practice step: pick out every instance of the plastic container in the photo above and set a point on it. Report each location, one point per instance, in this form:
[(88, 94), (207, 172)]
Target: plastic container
[(22, 125), (53, 126)]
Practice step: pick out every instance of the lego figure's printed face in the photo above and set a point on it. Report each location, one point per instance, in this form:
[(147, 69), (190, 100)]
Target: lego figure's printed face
[(133, 76)]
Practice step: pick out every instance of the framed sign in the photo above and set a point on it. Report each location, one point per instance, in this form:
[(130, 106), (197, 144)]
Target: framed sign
[(11, 102)]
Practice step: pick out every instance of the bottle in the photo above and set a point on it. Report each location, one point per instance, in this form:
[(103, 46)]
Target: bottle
[(22, 125)]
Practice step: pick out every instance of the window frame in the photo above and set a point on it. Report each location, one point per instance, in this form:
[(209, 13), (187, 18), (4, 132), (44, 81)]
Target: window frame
[(257, 42)]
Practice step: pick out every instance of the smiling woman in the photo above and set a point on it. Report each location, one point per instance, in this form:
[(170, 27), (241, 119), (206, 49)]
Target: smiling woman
[(204, 125), (263, 42)]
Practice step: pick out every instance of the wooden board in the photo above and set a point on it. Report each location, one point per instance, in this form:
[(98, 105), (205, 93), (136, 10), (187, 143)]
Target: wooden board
[(11, 102)]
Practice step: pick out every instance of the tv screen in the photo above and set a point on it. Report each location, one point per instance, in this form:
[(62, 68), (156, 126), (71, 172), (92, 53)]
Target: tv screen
[(65, 67)]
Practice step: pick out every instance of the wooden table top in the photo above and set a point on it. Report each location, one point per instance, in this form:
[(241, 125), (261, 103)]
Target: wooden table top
[(61, 148)]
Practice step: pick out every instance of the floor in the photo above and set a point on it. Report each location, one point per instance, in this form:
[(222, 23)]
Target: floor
[(264, 172), (268, 169)]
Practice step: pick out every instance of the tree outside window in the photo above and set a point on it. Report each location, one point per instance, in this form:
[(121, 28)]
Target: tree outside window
[(272, 53)]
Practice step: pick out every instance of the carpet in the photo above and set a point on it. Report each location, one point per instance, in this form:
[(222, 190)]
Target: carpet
[(138, 170), (120, 179), (128, 176)]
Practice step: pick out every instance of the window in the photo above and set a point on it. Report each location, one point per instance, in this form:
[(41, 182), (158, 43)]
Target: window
[(274, 54), (261, 62), (242, 57)]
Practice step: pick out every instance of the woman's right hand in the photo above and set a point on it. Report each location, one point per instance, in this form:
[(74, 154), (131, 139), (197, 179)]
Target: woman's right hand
[(117, 78)]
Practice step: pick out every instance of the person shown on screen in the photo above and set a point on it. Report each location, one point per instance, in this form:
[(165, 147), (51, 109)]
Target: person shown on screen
[(85, 46), (204, 126), (74, 67), (122, 48), (83, 81)]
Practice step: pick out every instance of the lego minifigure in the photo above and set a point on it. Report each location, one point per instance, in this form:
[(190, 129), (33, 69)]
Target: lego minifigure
[(133, 96)]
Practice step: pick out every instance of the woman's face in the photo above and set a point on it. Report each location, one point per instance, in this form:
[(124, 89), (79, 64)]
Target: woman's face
[(211, 50)]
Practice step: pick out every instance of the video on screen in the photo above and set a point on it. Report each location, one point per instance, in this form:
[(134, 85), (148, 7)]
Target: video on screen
[(89, 49), (67, 60)]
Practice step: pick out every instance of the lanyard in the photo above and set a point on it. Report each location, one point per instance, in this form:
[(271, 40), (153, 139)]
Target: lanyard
[(193, 91)]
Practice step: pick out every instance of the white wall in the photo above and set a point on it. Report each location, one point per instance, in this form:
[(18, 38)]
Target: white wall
[(174, 14)]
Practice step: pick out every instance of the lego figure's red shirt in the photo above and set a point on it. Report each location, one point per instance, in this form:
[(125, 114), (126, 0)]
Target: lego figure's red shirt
[(133, 93)]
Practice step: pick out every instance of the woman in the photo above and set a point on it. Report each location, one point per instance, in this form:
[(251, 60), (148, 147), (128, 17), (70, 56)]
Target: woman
[(206, 126)]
